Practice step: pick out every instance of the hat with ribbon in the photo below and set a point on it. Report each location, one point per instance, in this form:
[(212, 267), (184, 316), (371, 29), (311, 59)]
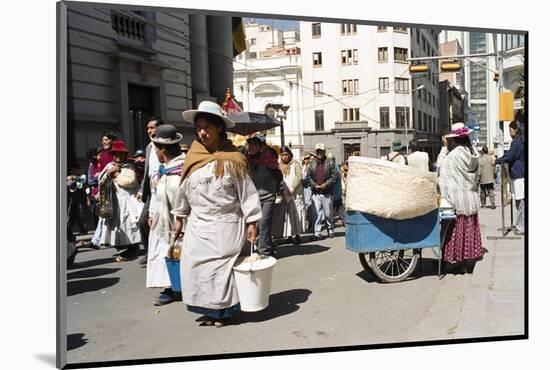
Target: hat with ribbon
[(210, 108), (166, 134), (459, 130)]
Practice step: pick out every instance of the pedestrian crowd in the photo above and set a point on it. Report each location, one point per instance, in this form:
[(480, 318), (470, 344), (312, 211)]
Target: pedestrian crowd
[(213, 198)]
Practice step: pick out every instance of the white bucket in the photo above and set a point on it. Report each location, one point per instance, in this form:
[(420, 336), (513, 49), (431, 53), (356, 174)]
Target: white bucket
[(254, 282)]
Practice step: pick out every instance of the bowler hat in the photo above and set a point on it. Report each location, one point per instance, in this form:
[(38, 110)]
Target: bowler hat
[(166, 134), (396, 145)]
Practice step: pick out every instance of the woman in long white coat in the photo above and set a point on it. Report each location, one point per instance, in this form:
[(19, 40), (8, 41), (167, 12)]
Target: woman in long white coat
[(165, 187), (290, 218), (121, 231), (217, 210)]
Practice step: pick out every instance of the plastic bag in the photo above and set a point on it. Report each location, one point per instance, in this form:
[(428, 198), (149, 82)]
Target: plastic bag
[(107, 199)]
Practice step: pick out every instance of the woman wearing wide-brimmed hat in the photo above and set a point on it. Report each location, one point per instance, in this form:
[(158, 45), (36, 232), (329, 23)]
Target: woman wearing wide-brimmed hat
[(458, 182), (217, 209), (121, 231), (165, 185)]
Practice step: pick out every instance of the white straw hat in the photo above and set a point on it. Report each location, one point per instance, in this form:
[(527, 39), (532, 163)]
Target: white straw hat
[(210, 108)]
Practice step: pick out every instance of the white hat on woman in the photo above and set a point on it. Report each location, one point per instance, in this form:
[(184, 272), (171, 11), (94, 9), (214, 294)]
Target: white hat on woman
[(210, 108)]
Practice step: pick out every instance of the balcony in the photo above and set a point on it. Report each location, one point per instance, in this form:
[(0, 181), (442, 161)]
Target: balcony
[(352, 126), (128, 26)]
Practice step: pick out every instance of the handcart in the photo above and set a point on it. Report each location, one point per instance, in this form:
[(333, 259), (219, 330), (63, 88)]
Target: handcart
[(392, 248)]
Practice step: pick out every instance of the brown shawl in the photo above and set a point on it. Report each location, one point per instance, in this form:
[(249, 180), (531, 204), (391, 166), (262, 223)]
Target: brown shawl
[(198, 156), (285, 168)]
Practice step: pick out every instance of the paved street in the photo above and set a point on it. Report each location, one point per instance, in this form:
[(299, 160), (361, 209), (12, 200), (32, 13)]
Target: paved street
[(321, 297)]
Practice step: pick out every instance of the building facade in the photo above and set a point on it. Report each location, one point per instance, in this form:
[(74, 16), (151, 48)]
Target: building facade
[(125, 66), (479, 76), (358, 92), (269, 72)]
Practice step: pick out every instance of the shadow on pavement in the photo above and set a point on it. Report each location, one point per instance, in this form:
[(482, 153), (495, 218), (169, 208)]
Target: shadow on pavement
[(368, 276), (75, 341), (92, 263), (89, 285), (299, 250), (83, 274), (280, 304)]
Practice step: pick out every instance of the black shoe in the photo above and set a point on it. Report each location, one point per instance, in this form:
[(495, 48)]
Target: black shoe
[(297, 240), (331, 235), (143, 260), (317, 237)]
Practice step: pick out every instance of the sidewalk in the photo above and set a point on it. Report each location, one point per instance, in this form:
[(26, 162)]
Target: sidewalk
[(496, 295)]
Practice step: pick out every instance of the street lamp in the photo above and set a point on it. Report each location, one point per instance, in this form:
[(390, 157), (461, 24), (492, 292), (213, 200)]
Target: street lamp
[(279, 111), (406, 123)]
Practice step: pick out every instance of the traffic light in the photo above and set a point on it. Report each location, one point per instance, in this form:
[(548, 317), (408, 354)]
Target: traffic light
[(496, 77), (451, 66), (419, 68)]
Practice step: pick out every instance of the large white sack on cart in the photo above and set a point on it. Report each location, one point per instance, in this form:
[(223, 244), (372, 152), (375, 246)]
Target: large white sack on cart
[(389, 190)]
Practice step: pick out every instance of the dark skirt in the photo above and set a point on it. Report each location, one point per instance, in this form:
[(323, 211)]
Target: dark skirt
[(216, 314), (464, 240)]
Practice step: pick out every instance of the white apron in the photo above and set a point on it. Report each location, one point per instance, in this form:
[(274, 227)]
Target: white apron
[(215, 212)]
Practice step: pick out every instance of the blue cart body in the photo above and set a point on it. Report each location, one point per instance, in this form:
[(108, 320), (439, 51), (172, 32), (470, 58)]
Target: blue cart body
[(368, 233)]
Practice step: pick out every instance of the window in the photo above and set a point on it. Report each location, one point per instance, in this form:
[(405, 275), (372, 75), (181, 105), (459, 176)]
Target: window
[(382, 28), (401, 117), (425, 123), (402, 85), (419, 93), (253, 55), (316, 29), (382, 54), (318, 88), (350, 87), (418, 37), (252, 41), (429, 98), (349, 56), (400, 54), (384, 117), (424, 95), (400, 29), (350, 114), (478, 81), (319, 120), (317, 59), (345, 87), (383, 84), (419, 121), (348, 29)]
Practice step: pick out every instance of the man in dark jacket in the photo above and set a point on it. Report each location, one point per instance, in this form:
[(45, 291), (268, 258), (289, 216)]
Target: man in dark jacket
[(322, 177), (151, 166), (267, 178), (515, 157)]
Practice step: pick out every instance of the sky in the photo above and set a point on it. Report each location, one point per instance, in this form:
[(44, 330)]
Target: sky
[(278, 24)]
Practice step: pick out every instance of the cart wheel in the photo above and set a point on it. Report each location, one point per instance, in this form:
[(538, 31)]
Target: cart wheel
[(393, 266), (364, 261)]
